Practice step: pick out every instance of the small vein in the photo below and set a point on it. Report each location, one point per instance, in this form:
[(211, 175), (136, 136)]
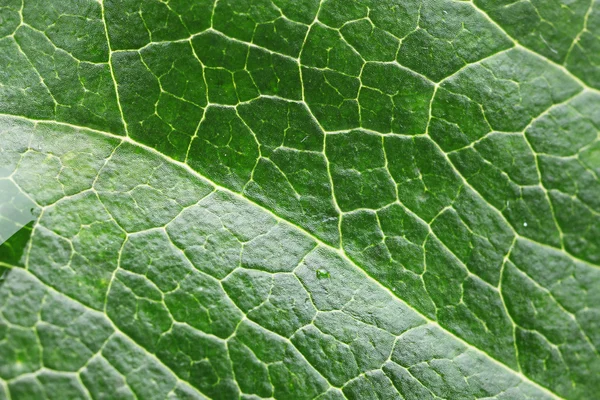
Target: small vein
[(110, 67)]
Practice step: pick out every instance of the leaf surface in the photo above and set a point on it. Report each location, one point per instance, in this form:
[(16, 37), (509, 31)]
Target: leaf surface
[(299, 200)]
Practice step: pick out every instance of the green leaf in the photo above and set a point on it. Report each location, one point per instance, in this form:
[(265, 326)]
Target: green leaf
[(299, 199)]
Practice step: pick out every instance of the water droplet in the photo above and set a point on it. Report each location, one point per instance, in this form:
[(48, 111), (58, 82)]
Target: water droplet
[(524, 223), (322, 274)]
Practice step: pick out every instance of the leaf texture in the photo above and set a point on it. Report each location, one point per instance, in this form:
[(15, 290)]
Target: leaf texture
[(299, 199)]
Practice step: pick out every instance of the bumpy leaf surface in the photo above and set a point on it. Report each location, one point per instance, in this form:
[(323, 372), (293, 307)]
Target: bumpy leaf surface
[(371, 199)]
